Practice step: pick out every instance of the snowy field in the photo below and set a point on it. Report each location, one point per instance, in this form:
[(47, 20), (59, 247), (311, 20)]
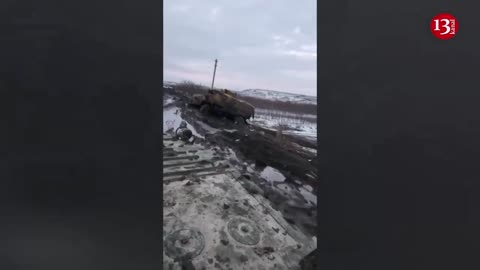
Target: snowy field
[(304, 125), (167, 100), (172, 119), (278, 96)]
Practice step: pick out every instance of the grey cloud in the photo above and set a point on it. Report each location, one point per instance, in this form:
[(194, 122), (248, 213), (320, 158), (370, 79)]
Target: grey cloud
[(259, 43)]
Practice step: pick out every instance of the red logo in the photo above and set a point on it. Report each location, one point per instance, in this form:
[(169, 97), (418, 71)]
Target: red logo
[(444, 26)]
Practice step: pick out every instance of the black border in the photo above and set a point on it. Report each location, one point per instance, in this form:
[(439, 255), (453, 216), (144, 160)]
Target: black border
[(398, 136), (80, 140)]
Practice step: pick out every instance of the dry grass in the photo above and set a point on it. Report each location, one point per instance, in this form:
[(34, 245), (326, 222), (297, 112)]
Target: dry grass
[(284, 106), (287, 117)]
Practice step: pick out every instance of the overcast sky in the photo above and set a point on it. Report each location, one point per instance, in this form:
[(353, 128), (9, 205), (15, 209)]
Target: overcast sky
[(268, 44)]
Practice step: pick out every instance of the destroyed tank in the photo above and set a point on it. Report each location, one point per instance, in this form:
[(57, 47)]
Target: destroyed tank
[(224, 102)]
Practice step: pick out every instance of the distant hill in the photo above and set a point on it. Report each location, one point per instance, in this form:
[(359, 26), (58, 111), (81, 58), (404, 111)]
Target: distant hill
[(277, 95), (167, 84), (271, 95)]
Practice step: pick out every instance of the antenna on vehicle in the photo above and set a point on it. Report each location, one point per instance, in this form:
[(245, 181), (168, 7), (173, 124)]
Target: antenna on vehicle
[(214, 70)]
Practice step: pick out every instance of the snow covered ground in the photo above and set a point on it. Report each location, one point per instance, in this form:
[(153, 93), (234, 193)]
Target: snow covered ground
[(302, 125), (172, 119), (277, 95), (167, 100)]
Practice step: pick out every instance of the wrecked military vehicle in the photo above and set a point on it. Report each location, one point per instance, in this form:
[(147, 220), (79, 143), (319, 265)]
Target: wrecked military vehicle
[(222, 210), (225, 103)]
